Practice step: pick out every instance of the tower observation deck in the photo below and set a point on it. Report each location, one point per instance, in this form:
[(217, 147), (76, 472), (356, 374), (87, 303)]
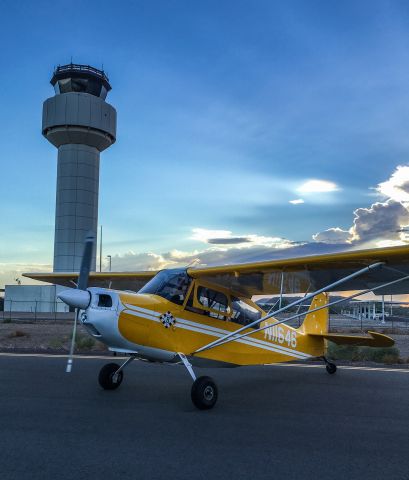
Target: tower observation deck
[(79, 122)]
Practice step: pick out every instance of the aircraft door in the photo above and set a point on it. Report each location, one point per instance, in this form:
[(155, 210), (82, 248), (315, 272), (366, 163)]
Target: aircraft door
[(210, 302)]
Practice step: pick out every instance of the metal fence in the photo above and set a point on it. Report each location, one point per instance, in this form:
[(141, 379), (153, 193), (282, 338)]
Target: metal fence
[(35, 310), (41, 311), (344, 323), (390, 323)]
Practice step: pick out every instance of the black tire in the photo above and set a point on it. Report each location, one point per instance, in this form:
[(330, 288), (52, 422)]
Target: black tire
[(106, 376), (331, 368), (204, 393)]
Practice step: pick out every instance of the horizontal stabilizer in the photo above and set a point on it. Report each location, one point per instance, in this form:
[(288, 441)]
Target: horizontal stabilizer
[(374, 339)]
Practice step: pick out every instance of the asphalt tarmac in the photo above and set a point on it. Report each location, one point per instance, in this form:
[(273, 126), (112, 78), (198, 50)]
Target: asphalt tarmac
[(271, 422)]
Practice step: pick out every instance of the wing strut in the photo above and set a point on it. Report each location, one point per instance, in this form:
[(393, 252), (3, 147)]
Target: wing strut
[(221, 340)]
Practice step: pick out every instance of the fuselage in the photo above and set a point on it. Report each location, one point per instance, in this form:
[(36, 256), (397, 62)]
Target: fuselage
[(156, 329)]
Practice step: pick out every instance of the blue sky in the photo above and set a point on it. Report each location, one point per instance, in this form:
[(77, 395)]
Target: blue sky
[(225, 110)]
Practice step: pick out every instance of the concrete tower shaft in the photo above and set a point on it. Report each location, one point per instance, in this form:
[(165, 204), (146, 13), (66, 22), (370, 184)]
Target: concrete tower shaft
[(79, 122)]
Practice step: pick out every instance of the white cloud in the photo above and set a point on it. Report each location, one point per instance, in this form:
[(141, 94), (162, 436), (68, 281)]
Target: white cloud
[(317, 186), (380, 225), (9, 273), (178, 254), (217, 256), (383, 223), (132, 261), (333, 235), (225, 238), (389, 243), (203, 234), (397, 187)]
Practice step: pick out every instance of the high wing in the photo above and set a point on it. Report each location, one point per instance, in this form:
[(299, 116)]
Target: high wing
[(116, 280), (298, 275), (311, 273)]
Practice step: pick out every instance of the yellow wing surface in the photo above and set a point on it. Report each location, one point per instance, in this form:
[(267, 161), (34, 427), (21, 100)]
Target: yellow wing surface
[(374, 340), (311, 273), (133, 281)]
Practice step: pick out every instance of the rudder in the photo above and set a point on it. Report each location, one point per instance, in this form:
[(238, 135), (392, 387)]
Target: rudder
[(317, 322)]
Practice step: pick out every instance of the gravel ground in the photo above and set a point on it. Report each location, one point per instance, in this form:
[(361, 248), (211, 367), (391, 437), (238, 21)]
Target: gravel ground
[(402, 343), (43, 337)]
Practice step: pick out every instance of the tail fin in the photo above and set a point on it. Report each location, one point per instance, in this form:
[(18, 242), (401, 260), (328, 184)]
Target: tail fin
[(316, 325), (317, 322)]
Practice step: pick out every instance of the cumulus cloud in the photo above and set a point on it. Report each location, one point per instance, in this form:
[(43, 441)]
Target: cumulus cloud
[(333, 235), (380, 221), (397, 187), (383, 223)]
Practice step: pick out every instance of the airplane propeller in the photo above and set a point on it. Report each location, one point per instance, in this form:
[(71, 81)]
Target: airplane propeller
[(79, 298)]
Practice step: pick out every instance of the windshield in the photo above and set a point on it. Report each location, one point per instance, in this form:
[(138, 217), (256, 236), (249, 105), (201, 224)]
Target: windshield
[(171, 284)]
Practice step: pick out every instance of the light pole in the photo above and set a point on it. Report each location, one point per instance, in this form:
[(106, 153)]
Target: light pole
[(100, 251), (110, 261), (383, 309)]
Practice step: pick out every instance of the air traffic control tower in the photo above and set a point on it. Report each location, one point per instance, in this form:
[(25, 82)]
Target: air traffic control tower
[(79, 122)]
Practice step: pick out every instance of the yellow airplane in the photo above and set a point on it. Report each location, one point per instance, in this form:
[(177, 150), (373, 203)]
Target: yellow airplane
[(205, 317)]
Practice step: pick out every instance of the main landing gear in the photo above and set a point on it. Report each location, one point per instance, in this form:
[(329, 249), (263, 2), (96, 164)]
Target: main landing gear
[(330, 367), (204, 390), (111, 375), (203, 393)]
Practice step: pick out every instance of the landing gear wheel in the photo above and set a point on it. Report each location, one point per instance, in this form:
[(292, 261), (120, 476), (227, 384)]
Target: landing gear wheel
[(107, 378), (331, 368), (204, 393)]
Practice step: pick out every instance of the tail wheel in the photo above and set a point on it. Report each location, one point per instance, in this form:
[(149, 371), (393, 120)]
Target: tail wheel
[(107, 377), (331, 368), (204, 393)]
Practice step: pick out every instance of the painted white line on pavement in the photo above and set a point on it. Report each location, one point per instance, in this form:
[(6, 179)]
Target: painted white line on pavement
[(50, 355), (296, 365), (341, 367)]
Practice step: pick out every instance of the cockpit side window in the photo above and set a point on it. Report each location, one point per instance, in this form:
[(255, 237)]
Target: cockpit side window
[(244, 313), (214, 300), (170, 284)]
